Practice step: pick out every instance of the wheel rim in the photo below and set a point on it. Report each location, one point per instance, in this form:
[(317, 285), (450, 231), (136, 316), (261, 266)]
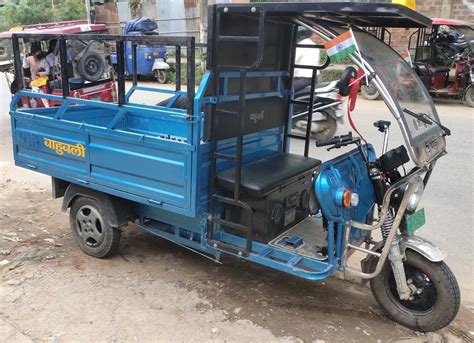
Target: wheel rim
[(422, 302), (370, 90), (161, 76), (92, 66), (89, 225)]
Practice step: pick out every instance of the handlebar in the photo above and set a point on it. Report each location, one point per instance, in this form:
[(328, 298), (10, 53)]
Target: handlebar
[(339, 140)]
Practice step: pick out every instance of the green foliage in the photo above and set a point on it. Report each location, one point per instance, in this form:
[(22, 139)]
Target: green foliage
[(330, 75), (25, 12)]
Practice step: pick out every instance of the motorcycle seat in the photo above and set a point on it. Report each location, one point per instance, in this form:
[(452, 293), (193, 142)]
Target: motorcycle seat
[(321, 87), (262, 176)]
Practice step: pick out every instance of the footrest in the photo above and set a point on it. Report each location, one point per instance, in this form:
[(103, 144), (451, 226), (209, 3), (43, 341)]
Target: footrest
[(292, 241)]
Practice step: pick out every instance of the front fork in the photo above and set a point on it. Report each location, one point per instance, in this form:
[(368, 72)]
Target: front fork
[(395, 255), (405, 287)]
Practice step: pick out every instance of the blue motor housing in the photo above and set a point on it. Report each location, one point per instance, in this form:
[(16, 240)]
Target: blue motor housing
[(347, 171)]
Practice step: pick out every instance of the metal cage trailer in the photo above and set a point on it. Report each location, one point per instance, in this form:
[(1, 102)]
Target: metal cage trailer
[(210, 168)]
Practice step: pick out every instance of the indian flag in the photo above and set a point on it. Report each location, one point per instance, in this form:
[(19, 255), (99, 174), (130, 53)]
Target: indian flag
[(341, 46)]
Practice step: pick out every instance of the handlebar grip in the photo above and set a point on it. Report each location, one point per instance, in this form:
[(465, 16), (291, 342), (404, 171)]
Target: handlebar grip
[(335, 140)]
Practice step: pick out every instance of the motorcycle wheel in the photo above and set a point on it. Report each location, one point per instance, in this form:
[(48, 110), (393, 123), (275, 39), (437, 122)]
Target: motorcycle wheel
[(160, 76), (469, 96), (437, 304), (321, 129), (369, 92)]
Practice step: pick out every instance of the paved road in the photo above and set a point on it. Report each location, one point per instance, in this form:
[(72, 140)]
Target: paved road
[(448, 201)]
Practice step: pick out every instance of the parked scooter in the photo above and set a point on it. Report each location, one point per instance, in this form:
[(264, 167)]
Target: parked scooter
[(327, 112)]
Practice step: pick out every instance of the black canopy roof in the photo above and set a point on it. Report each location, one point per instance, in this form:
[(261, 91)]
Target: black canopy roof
[(354, 13)]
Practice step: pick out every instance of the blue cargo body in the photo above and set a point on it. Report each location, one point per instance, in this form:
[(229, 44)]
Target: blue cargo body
[(153, 156), (160, 164)]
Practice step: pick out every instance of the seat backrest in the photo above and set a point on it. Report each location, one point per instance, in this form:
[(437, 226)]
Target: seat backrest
[(260, 113)]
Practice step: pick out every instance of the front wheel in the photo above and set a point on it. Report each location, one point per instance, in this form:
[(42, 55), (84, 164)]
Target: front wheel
[(160, 76), (436, 301), (469, 96)]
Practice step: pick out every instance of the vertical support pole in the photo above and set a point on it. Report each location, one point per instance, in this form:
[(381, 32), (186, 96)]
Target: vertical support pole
[(310, 113), (240, 136), (121, 71), (134, 63), (17, 62), (213, 128), (291, 69), (178, 67), (191, 75), (63, 58)]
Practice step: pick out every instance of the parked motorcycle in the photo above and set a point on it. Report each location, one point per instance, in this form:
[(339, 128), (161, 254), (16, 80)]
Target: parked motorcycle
[(327, 112)]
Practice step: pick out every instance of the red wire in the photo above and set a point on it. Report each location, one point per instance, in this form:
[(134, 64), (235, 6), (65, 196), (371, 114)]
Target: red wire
[(352, 101)]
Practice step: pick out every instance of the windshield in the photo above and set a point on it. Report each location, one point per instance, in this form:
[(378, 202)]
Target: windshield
[(401, 81)]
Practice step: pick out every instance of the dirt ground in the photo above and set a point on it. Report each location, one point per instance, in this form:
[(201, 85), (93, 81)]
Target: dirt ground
[(157, 291)]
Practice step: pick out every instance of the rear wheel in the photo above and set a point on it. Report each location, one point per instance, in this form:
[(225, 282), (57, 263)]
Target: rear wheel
[(436, 302), (469, 96), (91, 229), (369, 92)]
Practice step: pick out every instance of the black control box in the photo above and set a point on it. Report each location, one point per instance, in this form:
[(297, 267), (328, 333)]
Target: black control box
[(278, 210)]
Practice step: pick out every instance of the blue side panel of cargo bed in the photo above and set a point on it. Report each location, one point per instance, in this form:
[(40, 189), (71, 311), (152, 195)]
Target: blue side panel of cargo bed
[(138, 160)]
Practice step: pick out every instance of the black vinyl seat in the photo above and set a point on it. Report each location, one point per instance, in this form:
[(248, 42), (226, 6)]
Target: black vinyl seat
[(263, 176)]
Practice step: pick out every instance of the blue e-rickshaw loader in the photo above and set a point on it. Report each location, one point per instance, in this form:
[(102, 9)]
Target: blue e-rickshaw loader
[(143, 58), (210, 167)]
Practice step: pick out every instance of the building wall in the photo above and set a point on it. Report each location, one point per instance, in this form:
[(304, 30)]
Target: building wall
[(174, 17)]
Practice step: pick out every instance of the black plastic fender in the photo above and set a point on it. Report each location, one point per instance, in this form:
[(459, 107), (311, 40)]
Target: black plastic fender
[(118, 211)]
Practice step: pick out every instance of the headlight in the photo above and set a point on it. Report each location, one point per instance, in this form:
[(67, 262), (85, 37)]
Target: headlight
[(415, 198)]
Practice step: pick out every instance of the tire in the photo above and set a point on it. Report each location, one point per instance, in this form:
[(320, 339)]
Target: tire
[(91, 66), (434, 308), (91, 229), (160, 76), (326, 128), (469, 96), (369, 92)]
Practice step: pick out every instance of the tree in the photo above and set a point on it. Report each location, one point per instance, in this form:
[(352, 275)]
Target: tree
[(24, 12)]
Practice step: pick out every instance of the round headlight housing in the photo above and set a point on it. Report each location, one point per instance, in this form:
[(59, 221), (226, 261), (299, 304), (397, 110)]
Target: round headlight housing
[(415, 198)]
